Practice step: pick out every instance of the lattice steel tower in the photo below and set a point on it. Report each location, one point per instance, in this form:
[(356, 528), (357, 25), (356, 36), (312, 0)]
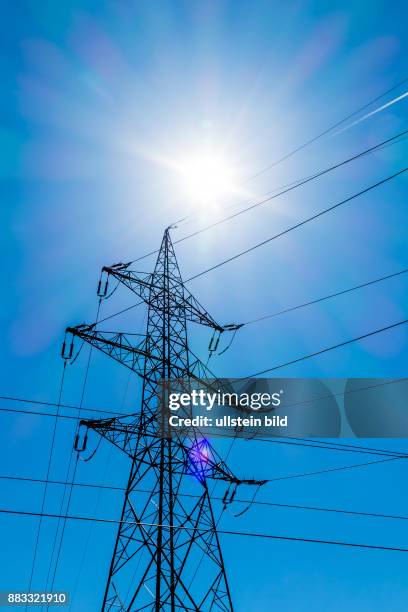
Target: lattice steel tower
[(167, 554)]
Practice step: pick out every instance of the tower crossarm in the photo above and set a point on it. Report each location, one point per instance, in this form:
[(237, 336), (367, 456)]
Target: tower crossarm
[(116, 344), (198, 454), (221, 471), (123, 431), (119, 346), (184, 305), (202, 460), (196, 313), (139, 283)]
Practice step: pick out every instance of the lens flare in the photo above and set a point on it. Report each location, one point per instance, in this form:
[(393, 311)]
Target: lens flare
[(207, 178), (199, 460)]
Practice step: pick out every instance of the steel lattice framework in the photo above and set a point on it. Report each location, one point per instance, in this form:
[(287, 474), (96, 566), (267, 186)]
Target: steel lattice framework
[(167, 554)]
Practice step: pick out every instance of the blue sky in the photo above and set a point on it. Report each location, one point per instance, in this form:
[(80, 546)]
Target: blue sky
[(98, 100)]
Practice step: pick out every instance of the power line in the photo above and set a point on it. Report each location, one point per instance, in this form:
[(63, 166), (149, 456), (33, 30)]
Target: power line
[(353, 447), (330, 348), (90, 527), (389, 457), (98, 497), (312, 443), (67, 474), (327, 297), (284, 190), (297, 225), (198, 529), (342, 394), (318, 444), (52, 414), (336, 469), (320, 509), (347, 447), (329, 129), (291, 440), (297, 184), (286, 477), (116, 314), (291, 308), (305, 144), (293, 227), (50, 454), (236, 499), (43, 403), (63, 482)]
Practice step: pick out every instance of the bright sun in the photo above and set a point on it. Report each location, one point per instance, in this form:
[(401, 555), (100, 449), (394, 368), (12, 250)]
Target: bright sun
[(207, 178)]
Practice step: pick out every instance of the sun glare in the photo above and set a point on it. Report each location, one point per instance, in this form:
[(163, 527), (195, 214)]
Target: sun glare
[(207, 178)]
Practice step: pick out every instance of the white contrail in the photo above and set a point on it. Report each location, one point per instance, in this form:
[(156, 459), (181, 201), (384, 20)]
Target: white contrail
[(374, 112)]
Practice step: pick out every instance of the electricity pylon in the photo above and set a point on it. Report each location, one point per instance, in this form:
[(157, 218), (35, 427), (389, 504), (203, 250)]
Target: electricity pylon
[(167, 553)]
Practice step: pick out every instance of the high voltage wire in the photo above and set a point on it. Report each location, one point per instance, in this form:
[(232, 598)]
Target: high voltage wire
[(323, 444), (297, 182), (329, 129), (91, 526), (331, 395), (327, 349), (341, 468), (312, 444), (198, 529), (292, 187), (298, 306), (314, 139), (295, 185), (390, 457), (50, 414), (50, 454), (318, 444), (326, 297), (280, 234), (276, 195), (46, 483), (292, 308), (304, 145), (123, 414), (353, 446), (274, 479), (98, 498), (43, 403), (63, 482), (236, 499), (116, 314), (67, 475), (299, 224), (321, 509), (290, 440)]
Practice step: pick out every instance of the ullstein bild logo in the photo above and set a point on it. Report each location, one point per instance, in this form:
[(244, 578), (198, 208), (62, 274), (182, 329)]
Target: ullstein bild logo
[(352, 407)]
